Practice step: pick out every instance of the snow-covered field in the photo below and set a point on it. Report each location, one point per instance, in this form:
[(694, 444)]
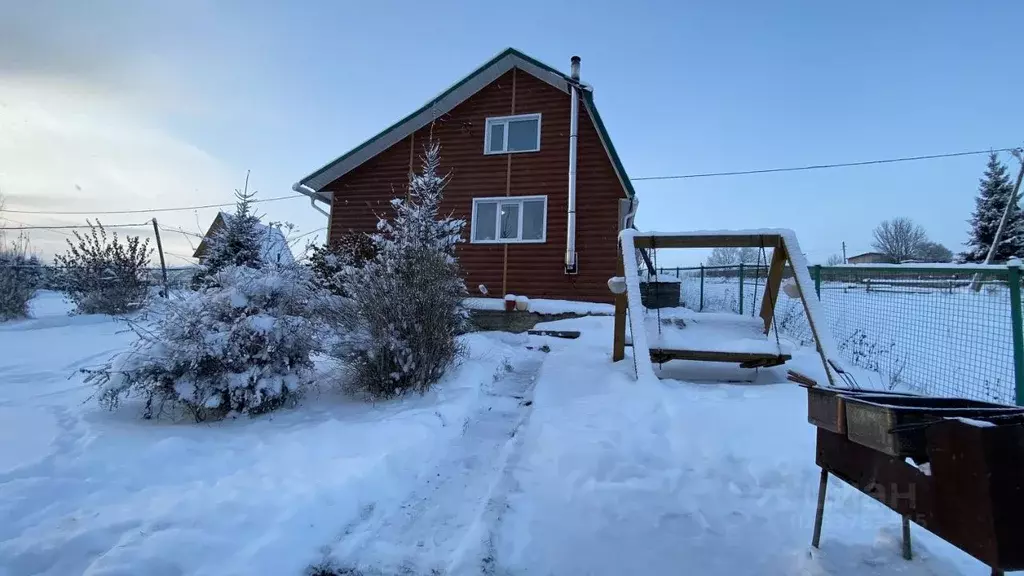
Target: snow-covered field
[(535, 456)]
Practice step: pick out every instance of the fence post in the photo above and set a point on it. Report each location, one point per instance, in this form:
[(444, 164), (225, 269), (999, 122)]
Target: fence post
[(817, 280), (741, 287), (701, 309), (1013, 280)]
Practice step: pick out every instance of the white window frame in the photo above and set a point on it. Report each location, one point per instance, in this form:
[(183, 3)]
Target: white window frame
[(499, 200), (504, 120)]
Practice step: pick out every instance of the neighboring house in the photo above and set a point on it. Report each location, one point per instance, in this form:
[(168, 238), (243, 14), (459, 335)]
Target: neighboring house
[(273, 248), (506, 136), (870, 258)]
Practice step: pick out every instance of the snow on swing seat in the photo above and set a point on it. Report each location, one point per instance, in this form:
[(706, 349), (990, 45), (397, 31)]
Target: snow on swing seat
[(711, 336)]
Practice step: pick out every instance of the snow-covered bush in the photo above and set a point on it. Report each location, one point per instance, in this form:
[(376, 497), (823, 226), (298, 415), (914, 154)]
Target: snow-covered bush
[(102, 275), (20, 275), (327, 262), (404, 311), (240, 346)]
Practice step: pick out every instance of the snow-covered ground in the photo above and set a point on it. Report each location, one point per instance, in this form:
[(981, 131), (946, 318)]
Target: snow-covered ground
[(535, 456)]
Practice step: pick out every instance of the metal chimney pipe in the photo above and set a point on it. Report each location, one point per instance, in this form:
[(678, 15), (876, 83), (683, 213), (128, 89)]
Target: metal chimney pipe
[(571, 266)]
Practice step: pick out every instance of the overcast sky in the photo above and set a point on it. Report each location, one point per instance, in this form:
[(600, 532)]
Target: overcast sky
[(117, 104)]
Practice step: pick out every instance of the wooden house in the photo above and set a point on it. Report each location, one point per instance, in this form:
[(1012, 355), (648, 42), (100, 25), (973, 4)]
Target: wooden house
[(532, 171)]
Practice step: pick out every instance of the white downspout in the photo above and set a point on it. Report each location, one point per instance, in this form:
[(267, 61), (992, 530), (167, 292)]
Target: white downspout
[(571, 265), (313, 195)]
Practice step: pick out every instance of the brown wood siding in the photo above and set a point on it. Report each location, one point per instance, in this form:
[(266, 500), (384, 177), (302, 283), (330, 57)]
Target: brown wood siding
[(533, 270)]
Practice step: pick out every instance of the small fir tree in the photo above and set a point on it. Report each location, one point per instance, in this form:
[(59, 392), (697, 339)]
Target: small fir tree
[(239, 241), (994, 192)]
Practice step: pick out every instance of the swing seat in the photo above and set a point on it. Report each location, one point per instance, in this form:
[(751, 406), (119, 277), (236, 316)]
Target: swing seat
[(712, 337)]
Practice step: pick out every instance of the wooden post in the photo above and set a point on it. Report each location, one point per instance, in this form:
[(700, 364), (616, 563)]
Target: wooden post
[(811, 320), (619, 343), (701, 309), (907, 553), (160, 249), (820, 512), (772, 285), (741, 288)]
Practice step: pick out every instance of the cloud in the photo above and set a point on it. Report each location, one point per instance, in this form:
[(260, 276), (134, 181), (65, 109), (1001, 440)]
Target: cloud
[(149, 53), (69, 148)]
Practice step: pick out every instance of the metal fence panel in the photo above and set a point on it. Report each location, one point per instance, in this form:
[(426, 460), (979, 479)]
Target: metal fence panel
[(920, 328)]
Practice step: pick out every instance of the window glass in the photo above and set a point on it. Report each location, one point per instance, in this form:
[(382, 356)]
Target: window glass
[(486, 215), (533, 220), (509, 221), (522, 135), (497, 143)]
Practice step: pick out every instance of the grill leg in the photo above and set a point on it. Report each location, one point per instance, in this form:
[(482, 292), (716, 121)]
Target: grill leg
[(822, 486), (907, 554)]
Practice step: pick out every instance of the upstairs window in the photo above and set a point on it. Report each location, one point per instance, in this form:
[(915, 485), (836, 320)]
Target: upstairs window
[(506, 134), (507, 220)]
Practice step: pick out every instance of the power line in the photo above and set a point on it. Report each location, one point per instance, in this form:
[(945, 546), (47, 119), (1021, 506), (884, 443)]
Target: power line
[(25, 224), (151, 210), (76, 226), (179, 231), (822, 166), (639, 179), (179, 257), (300, 236)]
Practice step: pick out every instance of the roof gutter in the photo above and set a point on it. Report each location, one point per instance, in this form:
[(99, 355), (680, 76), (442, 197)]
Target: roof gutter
[(313, 197)]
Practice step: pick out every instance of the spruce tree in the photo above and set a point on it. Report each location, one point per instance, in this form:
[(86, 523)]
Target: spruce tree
[(404, 308), (239, 241), (994, 191)]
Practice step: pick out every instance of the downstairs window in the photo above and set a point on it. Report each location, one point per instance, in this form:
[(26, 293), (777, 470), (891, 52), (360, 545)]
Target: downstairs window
[(507, 220)]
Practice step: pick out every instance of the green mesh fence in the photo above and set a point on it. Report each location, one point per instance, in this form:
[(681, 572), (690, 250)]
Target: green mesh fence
[(919, 329)]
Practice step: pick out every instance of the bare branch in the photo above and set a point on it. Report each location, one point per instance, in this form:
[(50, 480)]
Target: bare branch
[(900, 239)]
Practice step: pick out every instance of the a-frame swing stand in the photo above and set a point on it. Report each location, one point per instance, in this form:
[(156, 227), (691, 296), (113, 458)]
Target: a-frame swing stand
[(781, 242)]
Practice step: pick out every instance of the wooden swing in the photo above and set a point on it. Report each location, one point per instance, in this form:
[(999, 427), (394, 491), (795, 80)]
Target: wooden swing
[(745, 350)]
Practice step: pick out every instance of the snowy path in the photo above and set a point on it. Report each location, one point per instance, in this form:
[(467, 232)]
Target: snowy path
[(446, 524)]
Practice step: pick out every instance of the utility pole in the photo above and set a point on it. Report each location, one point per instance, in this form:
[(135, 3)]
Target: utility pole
[(163, 264), (1011, 203), (844, 253)]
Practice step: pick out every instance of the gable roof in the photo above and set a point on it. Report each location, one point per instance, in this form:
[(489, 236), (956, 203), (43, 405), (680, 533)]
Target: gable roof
[(273, 245), (490, 71)]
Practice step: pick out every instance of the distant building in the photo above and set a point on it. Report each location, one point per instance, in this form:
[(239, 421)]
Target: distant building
[(870, 258)]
